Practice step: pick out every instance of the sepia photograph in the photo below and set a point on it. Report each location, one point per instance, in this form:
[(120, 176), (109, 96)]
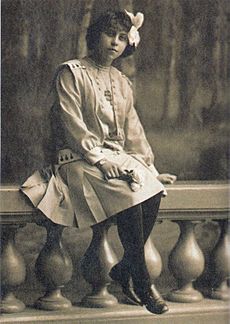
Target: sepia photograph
[(115, 147)]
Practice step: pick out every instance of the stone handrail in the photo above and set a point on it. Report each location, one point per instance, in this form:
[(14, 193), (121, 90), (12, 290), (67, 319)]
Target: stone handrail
[(186, 204)]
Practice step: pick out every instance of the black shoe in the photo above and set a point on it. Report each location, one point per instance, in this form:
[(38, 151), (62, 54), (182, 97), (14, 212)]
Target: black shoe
[(152, 300), (121, 275)]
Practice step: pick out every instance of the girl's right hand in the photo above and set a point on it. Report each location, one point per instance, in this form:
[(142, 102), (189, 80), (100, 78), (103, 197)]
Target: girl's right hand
[(110, 169)]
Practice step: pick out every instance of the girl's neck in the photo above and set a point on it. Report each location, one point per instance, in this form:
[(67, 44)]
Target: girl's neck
[(98, 66), (99, 61)]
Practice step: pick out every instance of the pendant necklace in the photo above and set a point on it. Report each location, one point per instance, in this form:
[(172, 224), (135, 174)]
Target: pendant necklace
[(107, 92), (100, 79), (108, 95), (102, 84)]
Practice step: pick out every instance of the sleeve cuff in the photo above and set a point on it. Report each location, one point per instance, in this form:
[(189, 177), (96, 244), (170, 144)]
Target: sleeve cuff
[(94, 155)]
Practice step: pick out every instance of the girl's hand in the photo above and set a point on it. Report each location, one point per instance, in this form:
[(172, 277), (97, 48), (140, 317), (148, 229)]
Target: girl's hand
[(110, 169), (166, 178)]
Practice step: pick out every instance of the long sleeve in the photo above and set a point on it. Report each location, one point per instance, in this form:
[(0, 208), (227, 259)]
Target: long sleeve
[(136, 142), (70, 104)]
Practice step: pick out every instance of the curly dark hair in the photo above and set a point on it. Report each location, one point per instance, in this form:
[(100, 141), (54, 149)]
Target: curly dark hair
[(108, 20)]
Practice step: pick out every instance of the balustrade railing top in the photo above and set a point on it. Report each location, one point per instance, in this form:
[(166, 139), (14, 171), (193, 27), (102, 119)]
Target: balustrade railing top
[(202, 198), (186, 204)]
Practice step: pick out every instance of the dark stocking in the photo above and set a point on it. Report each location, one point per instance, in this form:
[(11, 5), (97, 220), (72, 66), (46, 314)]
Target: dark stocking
[(145, 215), (130, 230), (134, 227), (150, 209)]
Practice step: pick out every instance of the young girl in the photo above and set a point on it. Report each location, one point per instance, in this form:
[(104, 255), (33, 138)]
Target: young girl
[(104, 163)]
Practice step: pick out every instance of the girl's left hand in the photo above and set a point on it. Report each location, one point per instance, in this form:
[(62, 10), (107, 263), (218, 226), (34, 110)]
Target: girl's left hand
[(166, 178)]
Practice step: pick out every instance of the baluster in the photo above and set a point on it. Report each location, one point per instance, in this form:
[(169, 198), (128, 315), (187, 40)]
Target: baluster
[(54, 269), (186, 262), (13, 270), (153, 260), (219, 267), (96, 264)]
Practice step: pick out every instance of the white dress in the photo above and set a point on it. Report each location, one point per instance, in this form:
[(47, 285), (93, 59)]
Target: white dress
[(91, 122)]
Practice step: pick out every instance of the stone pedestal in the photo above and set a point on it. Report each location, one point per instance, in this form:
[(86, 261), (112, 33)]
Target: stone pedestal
[(219, 265), (54, 270), (186, 262), (96, 264), (13, 270)]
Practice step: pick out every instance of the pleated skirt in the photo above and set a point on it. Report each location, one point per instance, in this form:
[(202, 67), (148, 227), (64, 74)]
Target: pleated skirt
[(77, 194)]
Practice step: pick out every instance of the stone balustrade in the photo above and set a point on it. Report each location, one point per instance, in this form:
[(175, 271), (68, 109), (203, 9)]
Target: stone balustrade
[(186, 205)]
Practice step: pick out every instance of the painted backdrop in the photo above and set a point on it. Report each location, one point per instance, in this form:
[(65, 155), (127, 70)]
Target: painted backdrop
[(180, 72)]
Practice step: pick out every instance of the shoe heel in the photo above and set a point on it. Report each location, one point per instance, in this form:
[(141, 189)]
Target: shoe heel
[(152, 301)]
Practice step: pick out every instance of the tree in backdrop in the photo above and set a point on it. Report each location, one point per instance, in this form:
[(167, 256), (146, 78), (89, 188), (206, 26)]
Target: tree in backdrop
[(182, 66)]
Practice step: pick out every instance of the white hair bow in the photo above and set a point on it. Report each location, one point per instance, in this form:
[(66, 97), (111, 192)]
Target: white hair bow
[(133, 34)]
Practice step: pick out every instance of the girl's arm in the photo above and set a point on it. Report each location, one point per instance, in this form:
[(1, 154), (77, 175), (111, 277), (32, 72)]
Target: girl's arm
[(77, 135), (136, 142)]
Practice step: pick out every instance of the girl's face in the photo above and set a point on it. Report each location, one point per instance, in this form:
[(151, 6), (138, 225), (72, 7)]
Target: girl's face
[(112, 44)]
